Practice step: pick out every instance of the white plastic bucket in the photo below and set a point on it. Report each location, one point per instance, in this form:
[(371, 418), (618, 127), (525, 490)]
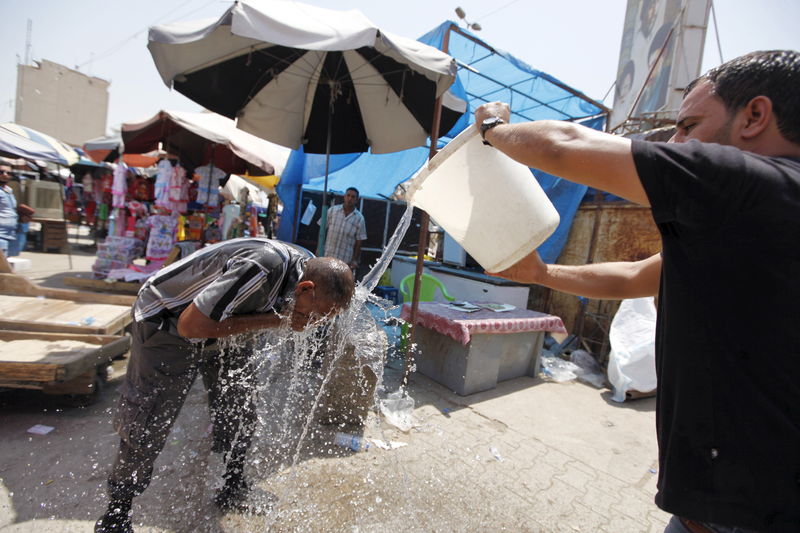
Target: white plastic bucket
[(490, 204)]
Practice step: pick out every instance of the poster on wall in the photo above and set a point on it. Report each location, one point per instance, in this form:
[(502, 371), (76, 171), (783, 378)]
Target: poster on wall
[(661, 51)]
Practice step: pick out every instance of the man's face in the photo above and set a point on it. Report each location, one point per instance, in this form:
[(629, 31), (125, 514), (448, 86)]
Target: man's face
[(5, 174), (350, 199), (310, 309), (703, 117)]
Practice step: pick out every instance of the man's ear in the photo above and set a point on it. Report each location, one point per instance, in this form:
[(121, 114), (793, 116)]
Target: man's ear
[(757, 117), (304, 286)]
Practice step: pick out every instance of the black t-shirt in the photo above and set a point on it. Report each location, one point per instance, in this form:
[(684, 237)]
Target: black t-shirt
[(728, 333)]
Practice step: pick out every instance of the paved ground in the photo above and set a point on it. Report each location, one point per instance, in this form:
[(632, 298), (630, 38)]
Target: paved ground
[(527, 456)]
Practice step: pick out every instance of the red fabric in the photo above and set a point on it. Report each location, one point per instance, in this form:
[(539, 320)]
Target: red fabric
[(460, 325)]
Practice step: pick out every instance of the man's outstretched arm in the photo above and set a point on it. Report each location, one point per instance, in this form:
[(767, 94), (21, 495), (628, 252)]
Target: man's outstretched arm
[(193, 324), (575, 153), (604, 281)]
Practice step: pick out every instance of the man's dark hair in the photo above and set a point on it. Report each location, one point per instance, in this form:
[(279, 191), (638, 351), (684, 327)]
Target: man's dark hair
[(332, 277), (358, 194), (773, 73)]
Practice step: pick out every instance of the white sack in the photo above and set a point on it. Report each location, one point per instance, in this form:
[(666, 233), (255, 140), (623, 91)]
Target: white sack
[(632, 361)]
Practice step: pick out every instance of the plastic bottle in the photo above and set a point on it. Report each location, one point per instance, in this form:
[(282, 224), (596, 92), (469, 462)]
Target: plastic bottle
[(354, 442)]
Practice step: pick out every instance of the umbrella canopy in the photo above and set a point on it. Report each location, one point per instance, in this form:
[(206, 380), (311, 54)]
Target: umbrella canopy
[(85, 161), (105, 148), (14, 145), (301, 75), (200, 138), (31, 144)]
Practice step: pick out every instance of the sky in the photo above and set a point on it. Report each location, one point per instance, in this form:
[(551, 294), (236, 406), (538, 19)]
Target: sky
[(576, 41)]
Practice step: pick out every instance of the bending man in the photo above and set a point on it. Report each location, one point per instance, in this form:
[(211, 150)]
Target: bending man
[(226, 289)]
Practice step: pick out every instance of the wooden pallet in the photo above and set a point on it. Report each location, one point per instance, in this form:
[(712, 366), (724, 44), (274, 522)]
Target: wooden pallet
[(102, 285), (30, 312), (26, 306), (50, 365), (26, 313)]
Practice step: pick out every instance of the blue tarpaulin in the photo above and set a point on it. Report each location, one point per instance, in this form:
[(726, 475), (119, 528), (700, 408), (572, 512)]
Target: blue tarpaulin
[(485, 74)]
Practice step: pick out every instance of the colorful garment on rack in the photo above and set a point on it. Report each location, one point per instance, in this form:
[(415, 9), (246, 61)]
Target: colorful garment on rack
[(208, 186), (119, 187), (141, 189), (162, 236), (178, 190), (165, 170)]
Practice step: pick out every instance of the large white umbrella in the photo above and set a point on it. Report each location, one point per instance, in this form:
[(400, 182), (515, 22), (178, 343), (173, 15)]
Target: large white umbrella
[(300, 75)]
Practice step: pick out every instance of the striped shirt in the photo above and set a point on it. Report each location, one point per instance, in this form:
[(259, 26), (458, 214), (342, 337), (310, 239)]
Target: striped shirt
[(234, 277), (343, 232)]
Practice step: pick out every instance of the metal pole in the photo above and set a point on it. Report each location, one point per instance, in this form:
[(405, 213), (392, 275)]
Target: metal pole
[(423, 232), (323, 218)]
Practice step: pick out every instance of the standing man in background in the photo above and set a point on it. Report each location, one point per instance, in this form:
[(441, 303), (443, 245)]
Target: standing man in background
[(8, 211), (346, 230)]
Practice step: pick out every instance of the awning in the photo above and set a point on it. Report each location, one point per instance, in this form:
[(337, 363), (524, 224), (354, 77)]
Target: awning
[(25, 142), (202, 138)]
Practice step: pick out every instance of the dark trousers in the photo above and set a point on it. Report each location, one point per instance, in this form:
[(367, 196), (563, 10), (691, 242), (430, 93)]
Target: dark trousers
[(161, 370)]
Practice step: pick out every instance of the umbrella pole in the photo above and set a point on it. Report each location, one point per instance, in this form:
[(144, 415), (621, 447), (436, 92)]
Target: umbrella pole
[(421, 249), (323, 219), (423, 229)]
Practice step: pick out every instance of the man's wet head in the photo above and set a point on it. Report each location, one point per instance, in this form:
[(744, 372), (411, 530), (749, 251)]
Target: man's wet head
[(326, 288)]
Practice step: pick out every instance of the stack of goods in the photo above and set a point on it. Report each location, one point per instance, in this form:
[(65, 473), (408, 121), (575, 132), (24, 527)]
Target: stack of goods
[(116, 252)]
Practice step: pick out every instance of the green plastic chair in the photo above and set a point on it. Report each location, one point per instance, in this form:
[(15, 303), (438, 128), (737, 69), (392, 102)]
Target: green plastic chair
[(427, 291)]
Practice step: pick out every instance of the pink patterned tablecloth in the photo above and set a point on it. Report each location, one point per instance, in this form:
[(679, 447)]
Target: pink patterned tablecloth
[(460, 325)]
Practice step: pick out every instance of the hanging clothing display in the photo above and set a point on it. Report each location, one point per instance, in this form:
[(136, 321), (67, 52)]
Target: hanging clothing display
[(119, 187), (208, 185), (178, 190), (163, 177)]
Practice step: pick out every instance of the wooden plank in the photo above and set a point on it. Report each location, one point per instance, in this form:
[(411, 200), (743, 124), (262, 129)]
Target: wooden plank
[(81, 384), (15, 285), (103, 354), (45, 351), (57, 367), (24, 325), (31, 385), (103, 285), (27, 313), (12, 335), (5, 268), (10, 372)]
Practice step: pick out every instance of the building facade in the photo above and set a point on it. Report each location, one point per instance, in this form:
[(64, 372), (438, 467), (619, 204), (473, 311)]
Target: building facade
[(61, 102)]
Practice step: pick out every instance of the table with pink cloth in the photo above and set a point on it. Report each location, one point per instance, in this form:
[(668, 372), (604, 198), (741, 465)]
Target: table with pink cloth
[(471, 352)]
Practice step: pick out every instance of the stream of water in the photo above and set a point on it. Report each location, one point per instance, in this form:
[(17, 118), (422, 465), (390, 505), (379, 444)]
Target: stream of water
[(316, 382)]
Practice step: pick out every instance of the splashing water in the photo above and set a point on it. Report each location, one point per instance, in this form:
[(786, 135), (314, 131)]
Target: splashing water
[(309, 385)]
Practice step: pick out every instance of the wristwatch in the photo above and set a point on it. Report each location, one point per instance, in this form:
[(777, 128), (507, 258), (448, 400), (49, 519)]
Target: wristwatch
[(487, 124)]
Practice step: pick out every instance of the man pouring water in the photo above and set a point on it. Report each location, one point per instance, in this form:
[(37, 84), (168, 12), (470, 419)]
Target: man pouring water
[(725, 196)]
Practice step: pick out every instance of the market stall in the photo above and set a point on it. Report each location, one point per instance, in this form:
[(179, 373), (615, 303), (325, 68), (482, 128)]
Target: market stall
[(178, 201)]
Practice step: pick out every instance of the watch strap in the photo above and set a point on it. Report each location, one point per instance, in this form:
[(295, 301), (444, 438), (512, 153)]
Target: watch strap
[(488, 124)]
